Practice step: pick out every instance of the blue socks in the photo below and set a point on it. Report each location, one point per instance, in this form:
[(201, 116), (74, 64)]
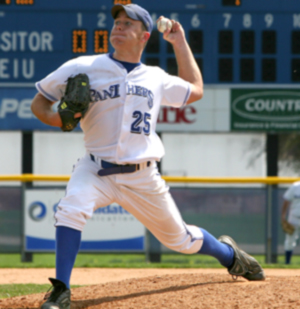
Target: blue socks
[(211, 246), (288, 256), (67, 246)]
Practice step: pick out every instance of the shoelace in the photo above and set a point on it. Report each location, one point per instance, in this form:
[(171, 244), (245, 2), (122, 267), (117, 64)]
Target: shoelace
[(52, 295), (47, 295)]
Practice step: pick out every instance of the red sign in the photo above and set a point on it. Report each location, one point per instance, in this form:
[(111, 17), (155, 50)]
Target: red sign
[(173, 115)]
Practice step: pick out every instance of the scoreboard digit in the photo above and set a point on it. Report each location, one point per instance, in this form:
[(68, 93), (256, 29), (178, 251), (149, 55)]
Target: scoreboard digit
[(79, 41), (100, 41), (17, 2), (231, 2), (25, 2), (123, 2)]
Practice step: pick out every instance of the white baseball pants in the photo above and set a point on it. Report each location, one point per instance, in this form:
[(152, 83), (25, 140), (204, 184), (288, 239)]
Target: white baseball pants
[(290, 241), (143, 193)]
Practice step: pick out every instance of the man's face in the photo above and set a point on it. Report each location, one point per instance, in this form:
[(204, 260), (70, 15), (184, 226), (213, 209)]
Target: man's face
[(126, 32)]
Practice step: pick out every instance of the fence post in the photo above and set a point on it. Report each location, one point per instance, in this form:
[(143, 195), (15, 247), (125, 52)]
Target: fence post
[(271, 224), (153, 248), (275, 226)]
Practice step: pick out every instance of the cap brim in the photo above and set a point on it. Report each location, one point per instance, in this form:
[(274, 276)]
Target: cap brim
[(116, 9)]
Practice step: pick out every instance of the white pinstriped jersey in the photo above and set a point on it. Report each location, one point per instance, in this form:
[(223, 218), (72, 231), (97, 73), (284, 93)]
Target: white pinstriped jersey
[(120, 123)]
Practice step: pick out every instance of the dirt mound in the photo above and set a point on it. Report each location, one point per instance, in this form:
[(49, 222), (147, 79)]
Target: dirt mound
[(181, 291)]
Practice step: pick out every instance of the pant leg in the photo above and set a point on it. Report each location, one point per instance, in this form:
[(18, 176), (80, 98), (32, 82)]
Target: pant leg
[(85, 192), (290, 241), (146, 196)]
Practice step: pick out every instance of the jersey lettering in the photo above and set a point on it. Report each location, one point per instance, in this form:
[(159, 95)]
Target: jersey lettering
[(135, 127), (140, 91), (112, 92), (146, 128), (139, 117)]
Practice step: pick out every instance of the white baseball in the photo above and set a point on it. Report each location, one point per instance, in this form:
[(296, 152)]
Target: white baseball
[(164, 24)]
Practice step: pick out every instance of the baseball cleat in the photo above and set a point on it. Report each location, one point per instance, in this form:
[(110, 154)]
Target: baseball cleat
[(244, 265), (59, 298)]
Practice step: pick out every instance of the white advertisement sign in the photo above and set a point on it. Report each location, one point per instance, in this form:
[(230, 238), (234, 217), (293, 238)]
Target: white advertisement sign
[(210, 114), (111, 228)]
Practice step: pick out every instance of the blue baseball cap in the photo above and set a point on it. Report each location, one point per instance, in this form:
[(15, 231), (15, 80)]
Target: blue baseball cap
[(135, 12)]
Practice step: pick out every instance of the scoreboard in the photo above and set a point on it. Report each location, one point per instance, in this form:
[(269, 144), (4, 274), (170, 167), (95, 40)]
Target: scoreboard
[(233, 41)]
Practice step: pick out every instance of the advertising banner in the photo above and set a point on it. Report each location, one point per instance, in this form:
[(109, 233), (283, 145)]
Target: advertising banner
[(268, 110), (111, 228)]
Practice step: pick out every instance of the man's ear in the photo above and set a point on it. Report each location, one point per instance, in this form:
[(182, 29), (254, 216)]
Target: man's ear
[(145, 36)]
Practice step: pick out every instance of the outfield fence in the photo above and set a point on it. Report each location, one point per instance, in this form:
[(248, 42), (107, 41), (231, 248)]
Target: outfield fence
[(246, 208)]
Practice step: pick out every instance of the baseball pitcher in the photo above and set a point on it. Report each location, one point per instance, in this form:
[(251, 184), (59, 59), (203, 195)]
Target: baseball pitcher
[(290, 219), (118, 118)]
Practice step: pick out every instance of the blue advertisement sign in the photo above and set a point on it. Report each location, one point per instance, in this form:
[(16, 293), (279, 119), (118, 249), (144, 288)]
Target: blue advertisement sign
[(111, 228)]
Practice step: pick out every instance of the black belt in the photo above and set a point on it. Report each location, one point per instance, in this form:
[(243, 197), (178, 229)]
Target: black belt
[(112, 168)]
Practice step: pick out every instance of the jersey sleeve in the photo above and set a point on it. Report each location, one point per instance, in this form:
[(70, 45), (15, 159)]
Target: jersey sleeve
[(289, 193), (53, 86), (176, 91)]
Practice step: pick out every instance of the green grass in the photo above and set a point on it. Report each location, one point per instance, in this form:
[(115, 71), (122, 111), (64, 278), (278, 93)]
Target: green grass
[(11, 290), (115, 261), (106, 260)]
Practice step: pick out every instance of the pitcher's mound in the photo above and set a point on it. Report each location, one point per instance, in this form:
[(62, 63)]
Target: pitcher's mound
[(179, 291)]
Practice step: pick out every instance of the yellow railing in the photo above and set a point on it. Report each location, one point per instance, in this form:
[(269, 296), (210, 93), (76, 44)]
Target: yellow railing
[(186, 179), (265, 180), (34, 177)]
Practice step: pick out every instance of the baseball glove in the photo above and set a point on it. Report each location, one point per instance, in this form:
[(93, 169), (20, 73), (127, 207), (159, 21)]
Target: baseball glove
[(75, 100), (287, 227)]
